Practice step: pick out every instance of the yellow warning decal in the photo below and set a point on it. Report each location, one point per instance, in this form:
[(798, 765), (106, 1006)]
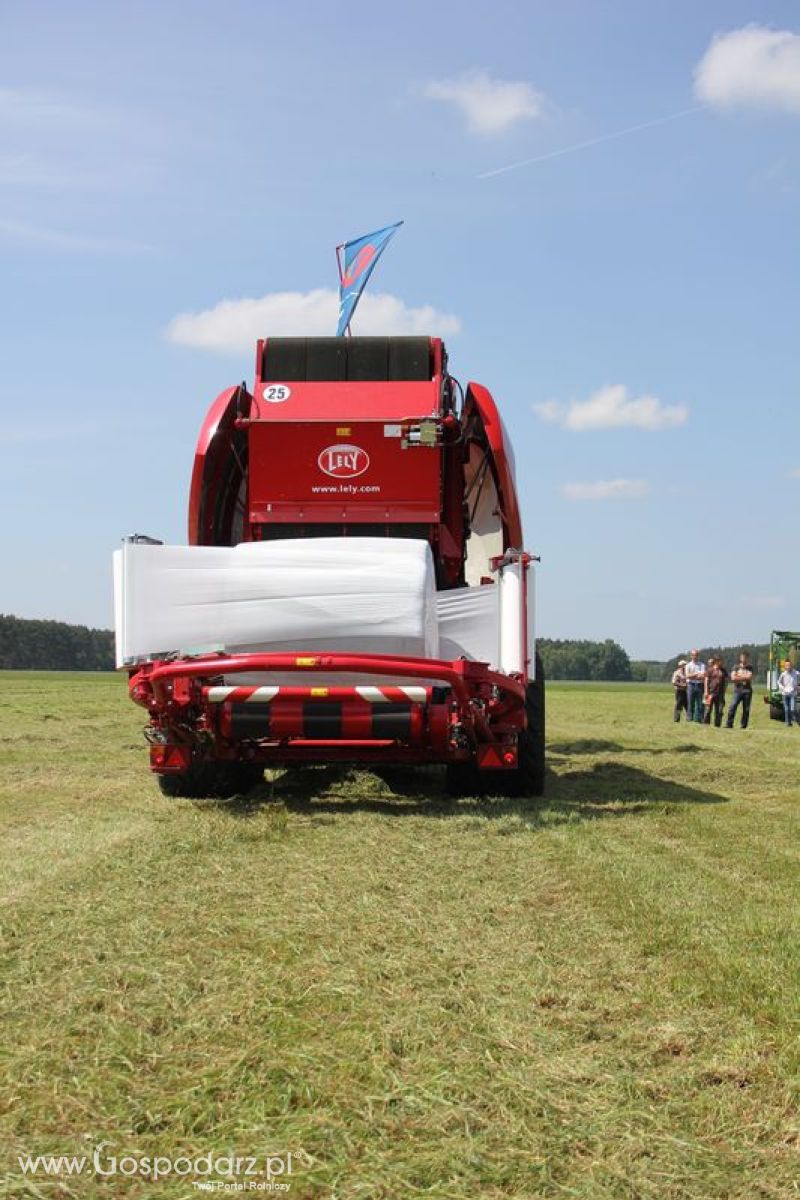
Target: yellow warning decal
[(343, 431), (319, 691), (305, 662)]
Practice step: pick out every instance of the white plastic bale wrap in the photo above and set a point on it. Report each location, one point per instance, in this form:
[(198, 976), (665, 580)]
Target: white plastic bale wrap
[(367, 595), (516, 625), (468, 623)]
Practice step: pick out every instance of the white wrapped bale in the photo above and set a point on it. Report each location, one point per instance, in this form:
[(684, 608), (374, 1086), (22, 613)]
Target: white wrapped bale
[(368, 595)]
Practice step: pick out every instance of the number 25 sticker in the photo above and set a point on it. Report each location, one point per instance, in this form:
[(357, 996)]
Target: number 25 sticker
[(276, 393)]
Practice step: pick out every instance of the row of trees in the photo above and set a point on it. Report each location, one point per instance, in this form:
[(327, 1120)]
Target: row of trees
[(570, 659), (53, 646), (607, 660)]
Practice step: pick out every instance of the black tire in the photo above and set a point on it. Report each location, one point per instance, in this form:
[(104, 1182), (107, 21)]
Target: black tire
[(463, 779), (217, 781), (776, 712), (535, 703), (528, 778)]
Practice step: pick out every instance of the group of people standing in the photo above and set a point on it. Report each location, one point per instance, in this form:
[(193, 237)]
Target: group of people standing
[(700, 689)]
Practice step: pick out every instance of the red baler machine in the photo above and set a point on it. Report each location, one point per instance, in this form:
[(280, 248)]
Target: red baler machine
[(355, 437)]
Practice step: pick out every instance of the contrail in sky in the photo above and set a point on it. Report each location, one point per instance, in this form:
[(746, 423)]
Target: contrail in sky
[(606, 137)]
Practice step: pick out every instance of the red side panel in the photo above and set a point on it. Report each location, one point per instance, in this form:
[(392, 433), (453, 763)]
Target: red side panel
[(347, 470), (338, 401), (217, 471), (480, 405), (339, 452)]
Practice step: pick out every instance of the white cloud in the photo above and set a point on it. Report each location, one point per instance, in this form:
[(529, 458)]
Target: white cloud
[(612, 408), (752, 67), (549, 410), (606, 489), (795, 474), (234, 325), (489, 105)]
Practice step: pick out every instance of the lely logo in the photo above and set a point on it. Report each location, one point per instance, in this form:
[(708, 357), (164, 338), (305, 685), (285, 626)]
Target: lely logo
[(343, 461)]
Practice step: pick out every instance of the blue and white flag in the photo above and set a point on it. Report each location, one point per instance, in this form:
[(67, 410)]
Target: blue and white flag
[(360, 258)]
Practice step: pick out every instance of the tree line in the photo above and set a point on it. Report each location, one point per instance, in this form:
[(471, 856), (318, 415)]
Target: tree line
[(571, 659), (27, 645)]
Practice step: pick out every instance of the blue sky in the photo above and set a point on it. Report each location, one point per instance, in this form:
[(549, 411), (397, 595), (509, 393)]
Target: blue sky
[(156, 160)]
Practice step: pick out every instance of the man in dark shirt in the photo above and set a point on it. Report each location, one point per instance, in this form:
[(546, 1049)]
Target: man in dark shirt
[(742, 679), (716, 682)]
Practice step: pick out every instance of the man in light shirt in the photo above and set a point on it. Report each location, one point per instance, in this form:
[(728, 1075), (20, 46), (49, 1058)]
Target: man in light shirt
[(788, 687), (695, 686), (679, 684)]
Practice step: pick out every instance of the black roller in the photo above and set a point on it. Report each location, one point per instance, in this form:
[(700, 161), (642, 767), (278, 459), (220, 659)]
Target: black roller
[(326, 358), (410, 358), (249, 720), (391, 720), (361, 359), (322, 719), (367, 359), (285, 360)]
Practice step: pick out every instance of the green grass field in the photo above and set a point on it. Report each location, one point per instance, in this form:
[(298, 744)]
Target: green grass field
[(592, 996)]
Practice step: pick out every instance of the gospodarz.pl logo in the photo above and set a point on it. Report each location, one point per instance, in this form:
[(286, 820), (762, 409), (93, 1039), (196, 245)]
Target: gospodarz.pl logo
[(224, 1173)]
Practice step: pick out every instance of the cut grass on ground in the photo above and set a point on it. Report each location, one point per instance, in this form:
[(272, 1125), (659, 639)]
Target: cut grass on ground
[(591, 996)]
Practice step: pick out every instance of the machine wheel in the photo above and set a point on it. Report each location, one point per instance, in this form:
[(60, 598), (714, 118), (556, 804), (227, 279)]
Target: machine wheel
[(528, 778), (463, 779), (776, 712), (212, 781)]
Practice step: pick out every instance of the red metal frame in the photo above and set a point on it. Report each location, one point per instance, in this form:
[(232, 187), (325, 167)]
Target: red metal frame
[(211, 454), (484, 709), (457, 673), (479, 405)]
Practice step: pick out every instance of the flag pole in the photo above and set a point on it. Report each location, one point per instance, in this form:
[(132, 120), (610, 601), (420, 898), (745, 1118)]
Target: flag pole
[(341, 280)]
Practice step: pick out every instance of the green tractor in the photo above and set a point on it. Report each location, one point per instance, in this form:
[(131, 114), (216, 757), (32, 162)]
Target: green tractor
[(782, 645)]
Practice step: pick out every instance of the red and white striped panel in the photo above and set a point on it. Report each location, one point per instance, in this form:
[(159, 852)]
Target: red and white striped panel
[(217, 695), (385, 695), (262, 695)]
